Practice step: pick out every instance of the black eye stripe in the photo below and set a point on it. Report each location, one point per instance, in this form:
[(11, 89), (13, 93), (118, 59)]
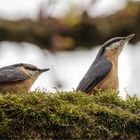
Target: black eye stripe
[(31, 68), (108, 43)]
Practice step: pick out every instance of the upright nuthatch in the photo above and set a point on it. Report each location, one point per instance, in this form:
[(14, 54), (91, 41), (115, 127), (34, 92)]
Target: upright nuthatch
[(18, 77), (103, 73)]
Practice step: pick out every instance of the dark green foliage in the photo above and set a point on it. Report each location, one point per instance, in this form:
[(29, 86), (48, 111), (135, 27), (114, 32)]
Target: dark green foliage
[(69, 115)]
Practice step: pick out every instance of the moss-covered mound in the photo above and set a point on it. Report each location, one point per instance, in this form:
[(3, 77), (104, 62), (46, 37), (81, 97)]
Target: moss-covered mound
[(69, 115)]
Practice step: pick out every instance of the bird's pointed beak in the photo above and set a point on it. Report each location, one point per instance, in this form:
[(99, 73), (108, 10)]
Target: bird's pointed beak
[(129, 37), (44, 70)]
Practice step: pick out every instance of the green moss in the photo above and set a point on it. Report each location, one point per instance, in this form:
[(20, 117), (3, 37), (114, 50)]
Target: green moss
[(69, 115)]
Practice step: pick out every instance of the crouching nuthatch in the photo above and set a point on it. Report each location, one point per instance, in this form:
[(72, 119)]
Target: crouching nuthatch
[(103, 73), (18, 77)]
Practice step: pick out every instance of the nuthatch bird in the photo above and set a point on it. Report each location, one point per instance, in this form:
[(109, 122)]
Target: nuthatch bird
[(18, 77), (103, 73)]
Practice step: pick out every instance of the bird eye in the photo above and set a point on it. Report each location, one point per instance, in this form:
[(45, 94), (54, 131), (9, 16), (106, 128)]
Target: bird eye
[(32, 68)]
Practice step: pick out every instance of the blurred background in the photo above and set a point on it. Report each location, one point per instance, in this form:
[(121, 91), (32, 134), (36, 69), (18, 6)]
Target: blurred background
[(65, 35)]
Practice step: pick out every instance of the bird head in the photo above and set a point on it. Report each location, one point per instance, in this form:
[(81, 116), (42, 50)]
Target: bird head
[(30, 70), (115, 45)]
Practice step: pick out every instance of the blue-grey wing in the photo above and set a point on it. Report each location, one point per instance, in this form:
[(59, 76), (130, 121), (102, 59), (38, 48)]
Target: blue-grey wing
[(11, 75), (94, 75)]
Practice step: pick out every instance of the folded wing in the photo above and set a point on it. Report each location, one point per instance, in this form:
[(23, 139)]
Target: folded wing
[(11, 75), (96, 73)]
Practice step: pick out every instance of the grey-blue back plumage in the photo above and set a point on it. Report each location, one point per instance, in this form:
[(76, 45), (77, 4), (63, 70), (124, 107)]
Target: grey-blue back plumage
[(10, 74), (96, 73)]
